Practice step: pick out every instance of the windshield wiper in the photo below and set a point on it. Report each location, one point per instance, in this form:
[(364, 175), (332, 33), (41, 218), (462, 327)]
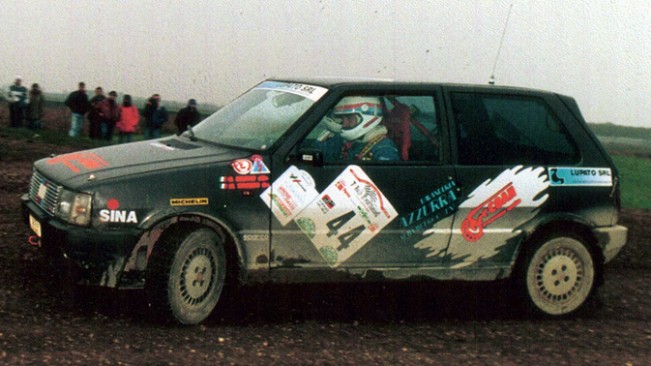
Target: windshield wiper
[(190, 134)]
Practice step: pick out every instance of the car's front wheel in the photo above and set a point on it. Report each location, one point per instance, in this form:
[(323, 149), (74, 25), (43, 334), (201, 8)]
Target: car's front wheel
[(186, 275), (559, 275)]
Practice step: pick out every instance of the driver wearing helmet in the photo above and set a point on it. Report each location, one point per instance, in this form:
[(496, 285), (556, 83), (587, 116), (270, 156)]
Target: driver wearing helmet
[(355, 133)]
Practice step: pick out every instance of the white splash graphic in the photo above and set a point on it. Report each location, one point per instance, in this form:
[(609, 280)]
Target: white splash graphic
[(487, 218), (529, 182)]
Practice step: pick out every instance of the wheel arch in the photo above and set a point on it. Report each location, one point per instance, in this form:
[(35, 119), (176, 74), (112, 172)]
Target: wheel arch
[(572, 226), (158, 230)]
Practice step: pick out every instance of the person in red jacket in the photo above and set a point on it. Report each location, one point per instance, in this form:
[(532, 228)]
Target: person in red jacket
[(129, 118)]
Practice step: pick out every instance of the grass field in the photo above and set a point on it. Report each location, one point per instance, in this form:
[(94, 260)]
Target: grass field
[(635, 174)]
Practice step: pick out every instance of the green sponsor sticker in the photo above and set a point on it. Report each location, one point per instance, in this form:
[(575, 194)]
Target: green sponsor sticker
[(307, 226), (330, 254)]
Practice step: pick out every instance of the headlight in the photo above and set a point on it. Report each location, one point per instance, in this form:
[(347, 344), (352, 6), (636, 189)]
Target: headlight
[(74, 208)]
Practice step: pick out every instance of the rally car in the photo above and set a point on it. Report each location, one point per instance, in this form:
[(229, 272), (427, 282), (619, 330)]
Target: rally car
[(337, 180)]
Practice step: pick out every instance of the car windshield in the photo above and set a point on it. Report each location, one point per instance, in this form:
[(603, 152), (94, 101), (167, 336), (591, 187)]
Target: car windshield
[(260, 116)]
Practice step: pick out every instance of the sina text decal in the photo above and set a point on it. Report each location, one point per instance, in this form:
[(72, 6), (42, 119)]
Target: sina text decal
[(113, 214)]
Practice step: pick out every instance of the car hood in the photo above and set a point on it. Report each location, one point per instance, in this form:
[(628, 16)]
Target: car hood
[(79, 169)]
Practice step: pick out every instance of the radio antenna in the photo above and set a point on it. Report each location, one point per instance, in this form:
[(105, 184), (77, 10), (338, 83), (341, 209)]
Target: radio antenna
[(491, 81)]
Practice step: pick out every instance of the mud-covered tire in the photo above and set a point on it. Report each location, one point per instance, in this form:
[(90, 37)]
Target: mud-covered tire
[(186, 275), (558, 276)]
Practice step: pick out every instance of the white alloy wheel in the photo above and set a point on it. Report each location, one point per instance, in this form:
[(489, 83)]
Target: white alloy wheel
[(560, 276), (187, 274)]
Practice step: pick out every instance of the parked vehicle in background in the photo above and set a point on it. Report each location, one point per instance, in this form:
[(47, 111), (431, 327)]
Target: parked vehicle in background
[(327, 181)]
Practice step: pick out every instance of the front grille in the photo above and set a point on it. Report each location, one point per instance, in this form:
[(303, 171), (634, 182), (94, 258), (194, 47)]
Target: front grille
[(44, 192)]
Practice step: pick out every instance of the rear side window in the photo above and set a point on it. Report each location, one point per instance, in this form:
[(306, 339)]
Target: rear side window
[(509, 130)]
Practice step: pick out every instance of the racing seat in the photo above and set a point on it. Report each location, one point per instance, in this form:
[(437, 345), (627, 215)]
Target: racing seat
[(398, 122)]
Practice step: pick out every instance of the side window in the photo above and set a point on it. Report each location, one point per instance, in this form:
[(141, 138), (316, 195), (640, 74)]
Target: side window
[(509, 130), (380, 128)]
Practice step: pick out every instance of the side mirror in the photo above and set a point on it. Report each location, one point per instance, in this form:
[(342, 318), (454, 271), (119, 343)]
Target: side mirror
[(310, 156)]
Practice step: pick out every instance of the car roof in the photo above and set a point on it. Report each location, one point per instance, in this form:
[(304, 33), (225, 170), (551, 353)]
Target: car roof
[(350, 82)]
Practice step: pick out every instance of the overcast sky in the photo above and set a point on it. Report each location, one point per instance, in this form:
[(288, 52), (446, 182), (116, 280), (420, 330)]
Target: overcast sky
[(596, 51)]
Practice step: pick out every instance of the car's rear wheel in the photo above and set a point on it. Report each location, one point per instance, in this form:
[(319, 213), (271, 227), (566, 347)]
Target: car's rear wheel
[(559, 276), (186, 275)]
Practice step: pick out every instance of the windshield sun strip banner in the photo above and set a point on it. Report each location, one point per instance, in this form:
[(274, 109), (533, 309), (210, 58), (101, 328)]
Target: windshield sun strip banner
[(311, 92)]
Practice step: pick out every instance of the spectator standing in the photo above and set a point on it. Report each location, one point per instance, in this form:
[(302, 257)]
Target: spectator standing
[(155, 116), (129, 118), (187, 117), (110, 114), (35, 108), (94, 115), (78, 103), (17, 102)]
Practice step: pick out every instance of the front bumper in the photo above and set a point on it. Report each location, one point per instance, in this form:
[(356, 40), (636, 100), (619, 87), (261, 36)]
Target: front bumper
[(611, 240), (99, 255)]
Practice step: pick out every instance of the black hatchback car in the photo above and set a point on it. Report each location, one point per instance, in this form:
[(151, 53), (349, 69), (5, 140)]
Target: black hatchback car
[(326, 181)]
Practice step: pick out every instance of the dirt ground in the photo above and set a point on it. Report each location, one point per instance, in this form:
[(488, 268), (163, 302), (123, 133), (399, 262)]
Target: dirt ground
[(44, 319)]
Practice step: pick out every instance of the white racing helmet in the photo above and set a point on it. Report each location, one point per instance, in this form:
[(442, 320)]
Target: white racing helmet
[(368, 111), (332, 124)]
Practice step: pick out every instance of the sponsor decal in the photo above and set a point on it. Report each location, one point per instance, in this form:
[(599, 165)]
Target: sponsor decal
[(307, 226), (290, 194), (359, 211), (329, 254), (340, 220), (489, 217), (244, 182), (76, 161), (242, 166), (258, 165), (496, 206), (202, 201), (495, 198), (113, 214), (307, 91), (559, 176), (254, 165), (436, 205), (326, 203)]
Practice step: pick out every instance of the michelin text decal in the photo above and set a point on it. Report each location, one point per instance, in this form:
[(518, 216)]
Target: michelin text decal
[(202, 201)]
